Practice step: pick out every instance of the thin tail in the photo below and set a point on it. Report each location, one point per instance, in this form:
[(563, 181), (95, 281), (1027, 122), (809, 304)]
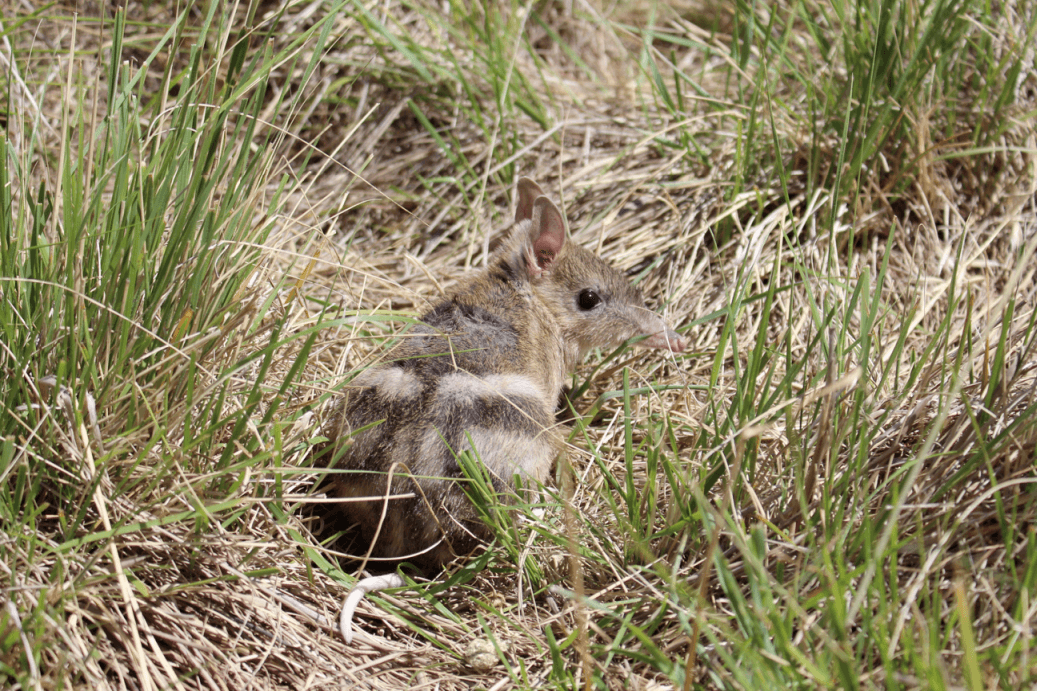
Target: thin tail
[(363, 587)]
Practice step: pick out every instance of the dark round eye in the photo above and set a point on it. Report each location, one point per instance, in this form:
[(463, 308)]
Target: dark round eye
[(588, 299)]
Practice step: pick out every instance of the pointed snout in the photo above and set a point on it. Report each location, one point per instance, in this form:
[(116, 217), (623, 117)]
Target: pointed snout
[(667, 339), (660, 335)]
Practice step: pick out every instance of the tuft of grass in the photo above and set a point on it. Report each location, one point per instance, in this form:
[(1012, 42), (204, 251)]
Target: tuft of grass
[(141, 321), (850, 101)]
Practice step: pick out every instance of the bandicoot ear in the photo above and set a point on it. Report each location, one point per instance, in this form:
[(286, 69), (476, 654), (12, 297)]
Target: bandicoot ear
[(528, 191), (546, 236)]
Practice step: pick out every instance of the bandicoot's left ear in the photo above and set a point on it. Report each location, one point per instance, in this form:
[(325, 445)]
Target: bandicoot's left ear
[(546, 236)]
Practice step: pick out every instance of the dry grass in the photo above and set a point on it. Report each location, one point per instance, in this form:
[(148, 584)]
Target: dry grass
[(838, 480)]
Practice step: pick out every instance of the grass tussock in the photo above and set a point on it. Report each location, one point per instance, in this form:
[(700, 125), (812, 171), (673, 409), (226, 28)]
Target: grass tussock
[(211, 218)]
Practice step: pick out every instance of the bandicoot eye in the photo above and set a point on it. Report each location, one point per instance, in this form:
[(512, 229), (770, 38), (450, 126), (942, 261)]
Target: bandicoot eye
[(588, 299)]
